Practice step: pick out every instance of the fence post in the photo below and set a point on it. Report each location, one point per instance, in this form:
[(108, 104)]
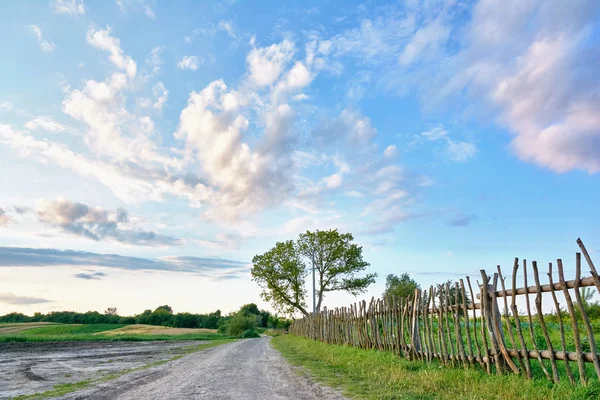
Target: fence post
[(414, 330), (490, 312)]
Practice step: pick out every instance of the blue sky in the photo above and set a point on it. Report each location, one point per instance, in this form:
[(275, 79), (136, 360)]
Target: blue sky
[(148, 149)]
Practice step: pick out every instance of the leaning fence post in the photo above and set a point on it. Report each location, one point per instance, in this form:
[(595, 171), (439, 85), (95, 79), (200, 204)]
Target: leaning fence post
[(490, 312)]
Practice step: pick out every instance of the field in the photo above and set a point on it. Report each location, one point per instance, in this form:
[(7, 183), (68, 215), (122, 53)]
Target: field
[(40, 370), (370, 374), (40, 332)]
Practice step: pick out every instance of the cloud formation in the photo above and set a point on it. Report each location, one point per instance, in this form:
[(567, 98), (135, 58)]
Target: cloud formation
[(96, 223), (13, 299), (69, 7), (90, 275), (190, 63), (28, 257), (45, 45), (460, 220)]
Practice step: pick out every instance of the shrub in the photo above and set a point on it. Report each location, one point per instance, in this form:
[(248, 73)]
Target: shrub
[(250, 333), (240, 323)]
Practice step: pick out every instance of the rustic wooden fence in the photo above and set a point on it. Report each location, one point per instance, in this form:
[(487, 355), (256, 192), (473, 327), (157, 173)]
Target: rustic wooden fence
[(448, 325)]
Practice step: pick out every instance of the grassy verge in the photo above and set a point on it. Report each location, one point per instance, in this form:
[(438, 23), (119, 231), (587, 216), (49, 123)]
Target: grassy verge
[(64, 388), (365, 374)]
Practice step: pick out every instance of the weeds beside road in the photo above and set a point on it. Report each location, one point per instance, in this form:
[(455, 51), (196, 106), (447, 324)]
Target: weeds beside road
[(370, 374)]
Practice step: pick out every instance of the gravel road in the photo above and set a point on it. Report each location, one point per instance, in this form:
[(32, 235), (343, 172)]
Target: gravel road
[(247, 369)]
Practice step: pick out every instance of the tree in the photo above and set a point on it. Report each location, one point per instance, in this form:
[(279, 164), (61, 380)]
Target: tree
[(401, 286), (166, 308), (111, 311), (281, 272)]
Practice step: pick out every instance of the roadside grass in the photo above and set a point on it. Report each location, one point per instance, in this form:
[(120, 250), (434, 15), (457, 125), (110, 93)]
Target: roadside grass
[(371, 374), (65, 388), (98, 332)]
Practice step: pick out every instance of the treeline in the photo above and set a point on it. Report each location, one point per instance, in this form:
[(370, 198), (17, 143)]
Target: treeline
[(161, 316)]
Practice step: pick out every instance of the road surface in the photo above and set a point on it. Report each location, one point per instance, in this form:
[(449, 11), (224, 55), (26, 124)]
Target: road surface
[(247, 369)]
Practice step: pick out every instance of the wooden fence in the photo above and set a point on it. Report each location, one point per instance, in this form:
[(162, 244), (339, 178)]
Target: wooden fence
[(447, 324)]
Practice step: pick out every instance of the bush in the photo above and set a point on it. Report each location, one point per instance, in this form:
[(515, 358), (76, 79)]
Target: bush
[(240, 323), (250, 333)]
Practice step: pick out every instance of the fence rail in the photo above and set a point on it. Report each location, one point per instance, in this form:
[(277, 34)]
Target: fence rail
[(446, 324)]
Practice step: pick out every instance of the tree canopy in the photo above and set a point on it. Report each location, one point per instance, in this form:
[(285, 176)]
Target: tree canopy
[(282, 271), (401, 286)]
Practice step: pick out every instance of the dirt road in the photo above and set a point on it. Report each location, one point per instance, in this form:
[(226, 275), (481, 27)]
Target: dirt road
[(247, 369)]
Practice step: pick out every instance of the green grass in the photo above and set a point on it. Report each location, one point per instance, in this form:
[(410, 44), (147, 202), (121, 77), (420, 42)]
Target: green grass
[(60, 330), (66, 332), (64, 388), (370, 374)]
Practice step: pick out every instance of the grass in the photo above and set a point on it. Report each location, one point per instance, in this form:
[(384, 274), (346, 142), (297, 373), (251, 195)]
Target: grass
[(370, 374), (97, 332), (64, 388)]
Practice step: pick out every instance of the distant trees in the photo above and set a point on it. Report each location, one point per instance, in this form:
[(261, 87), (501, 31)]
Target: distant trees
[(281, 272), (401, 286), (162, 315)]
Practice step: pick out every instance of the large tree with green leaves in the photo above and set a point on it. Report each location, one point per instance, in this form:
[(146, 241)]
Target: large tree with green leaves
[(281, 272)]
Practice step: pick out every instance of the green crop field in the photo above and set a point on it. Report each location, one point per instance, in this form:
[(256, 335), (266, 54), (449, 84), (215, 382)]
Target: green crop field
[(94, 332)]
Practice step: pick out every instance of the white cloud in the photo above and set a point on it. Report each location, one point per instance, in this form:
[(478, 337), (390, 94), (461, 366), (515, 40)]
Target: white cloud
[(530, 62), (136, 5), (45, 123), (267, 63), (456, 151), (70, 7), (161, 94), (45, 45), (149, 13), (461, 151), (190, 63), (227, 26), (429, 37), (102, 39), (97, 223), (154, 59), (333, 181), (391, 151)]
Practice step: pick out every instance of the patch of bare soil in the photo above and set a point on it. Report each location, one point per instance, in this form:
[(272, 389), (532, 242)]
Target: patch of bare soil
[(30, 367), (153, 330)]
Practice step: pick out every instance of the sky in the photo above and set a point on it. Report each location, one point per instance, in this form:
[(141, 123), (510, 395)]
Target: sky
[(149, 149)]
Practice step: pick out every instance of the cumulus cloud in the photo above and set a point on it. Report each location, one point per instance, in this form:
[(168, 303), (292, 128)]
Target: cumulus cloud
[(191, 63), (13, 299), (537, 77), (212, 125), (96, 223), (45, 45), (28, 257), (267, 63)]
